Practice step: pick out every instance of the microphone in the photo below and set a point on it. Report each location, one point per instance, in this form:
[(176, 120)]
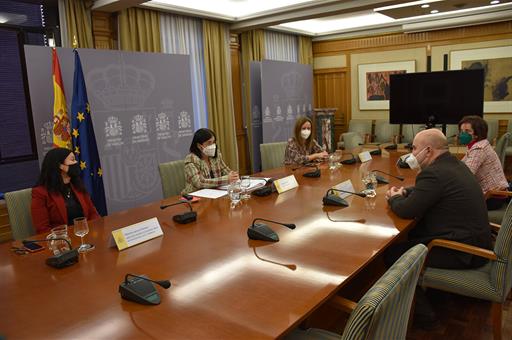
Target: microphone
[(289, 266), (141, 289), (64, 259), (349, 161), (383, 180), (312, 174), (261, 231), (266, 190), (335, 200), (189, 216)]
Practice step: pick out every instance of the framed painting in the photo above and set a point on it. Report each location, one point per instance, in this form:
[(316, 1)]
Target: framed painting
[(497, 65), (374, 83)]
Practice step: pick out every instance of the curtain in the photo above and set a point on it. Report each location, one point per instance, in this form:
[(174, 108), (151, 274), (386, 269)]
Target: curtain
[(305, 50), (219, 94), (182, 35), (253, 49), (77, 19), (281, 46), (63, 23), (139, 30)]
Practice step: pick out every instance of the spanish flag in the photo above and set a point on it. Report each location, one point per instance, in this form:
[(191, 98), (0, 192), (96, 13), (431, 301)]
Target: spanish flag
[(61, 124)]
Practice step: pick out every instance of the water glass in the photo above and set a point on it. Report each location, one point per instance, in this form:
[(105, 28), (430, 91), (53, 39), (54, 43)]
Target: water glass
[(370, 184), (245, 183), (81, 228), (58, 240), (234, 193)]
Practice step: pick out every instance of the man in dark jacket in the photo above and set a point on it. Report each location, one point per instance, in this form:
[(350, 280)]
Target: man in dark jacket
[(446, 202)]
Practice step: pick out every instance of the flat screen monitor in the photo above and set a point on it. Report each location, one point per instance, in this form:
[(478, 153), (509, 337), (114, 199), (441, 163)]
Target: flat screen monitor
[(435, 97)]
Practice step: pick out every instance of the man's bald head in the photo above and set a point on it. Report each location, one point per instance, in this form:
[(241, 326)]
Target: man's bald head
[(431, 137)]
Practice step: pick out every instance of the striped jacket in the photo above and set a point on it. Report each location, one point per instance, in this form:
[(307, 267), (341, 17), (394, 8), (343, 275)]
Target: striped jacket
[(200, 174)]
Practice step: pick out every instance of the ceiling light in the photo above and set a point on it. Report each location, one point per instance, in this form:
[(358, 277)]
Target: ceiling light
[(425, 6), (494, 2), (434, 11)]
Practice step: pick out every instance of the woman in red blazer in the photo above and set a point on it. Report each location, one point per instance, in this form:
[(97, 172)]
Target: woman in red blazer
[(59, 196)]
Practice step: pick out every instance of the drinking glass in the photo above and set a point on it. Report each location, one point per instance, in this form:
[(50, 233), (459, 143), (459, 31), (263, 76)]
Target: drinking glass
[(370, 184), (245, 183), (58, 240), (81, 228), (234, 192)]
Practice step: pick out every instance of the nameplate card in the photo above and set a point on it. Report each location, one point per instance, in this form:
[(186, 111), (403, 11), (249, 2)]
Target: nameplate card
[(346, 186), (384, 153), (136, 233), (286, 183), (365, 156)]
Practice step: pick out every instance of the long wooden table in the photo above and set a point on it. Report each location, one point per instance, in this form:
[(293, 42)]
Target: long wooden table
[(223, 285)]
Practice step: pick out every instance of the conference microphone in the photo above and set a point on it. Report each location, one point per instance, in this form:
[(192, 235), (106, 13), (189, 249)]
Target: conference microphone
[(331, 199), (349, 161), (189, 216), (140, 289), (64, 259), (312, 174), (266, 190), (383, 180), (261, 231)]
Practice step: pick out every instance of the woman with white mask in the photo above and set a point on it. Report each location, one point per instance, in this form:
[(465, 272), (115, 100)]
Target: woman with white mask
[(204, 166), (303, 148)]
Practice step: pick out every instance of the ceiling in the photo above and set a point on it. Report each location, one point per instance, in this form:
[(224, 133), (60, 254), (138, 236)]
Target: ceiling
[(329, 19)]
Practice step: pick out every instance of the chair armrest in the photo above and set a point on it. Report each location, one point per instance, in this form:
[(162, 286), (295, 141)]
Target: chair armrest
[(495, 227), (498, 193), (342, 304), (465, 248)]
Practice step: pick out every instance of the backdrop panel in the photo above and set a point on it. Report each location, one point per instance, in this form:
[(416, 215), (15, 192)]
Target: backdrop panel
[(286, 93), (257, 132), (141, 106)]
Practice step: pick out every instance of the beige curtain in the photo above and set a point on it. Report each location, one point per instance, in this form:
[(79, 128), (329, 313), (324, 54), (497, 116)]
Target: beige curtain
[(305, 50), (253, 49), (139, 30), (219, 94), (78, 17)]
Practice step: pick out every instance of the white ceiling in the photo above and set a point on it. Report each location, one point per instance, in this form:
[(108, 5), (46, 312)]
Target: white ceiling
[(327, 19)]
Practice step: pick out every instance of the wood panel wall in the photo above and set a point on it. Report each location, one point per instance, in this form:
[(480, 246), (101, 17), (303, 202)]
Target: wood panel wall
[(241, 131), (330, 90), (104, 30)]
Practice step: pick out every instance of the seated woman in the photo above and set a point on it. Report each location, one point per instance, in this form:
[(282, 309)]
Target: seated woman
[(204, 167), (481, 158), (60, 196), (303, 148)]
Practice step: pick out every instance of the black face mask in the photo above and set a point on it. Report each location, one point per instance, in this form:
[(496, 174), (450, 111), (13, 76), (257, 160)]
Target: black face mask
[(74, 170)]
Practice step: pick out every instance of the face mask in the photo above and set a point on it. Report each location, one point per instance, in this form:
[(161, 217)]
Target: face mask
[(74, 170), (412, 161), (305, 133), (210, 150), (465, 138)]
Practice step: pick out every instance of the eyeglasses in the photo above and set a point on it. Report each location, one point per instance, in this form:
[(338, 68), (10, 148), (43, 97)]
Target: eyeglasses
[(19, 251)]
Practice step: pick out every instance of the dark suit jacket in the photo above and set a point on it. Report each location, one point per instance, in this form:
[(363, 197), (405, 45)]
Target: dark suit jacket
[(49, 208), (447, 203)]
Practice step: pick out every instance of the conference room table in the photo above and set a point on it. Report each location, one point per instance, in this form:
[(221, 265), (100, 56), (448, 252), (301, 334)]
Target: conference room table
[(223, 285)]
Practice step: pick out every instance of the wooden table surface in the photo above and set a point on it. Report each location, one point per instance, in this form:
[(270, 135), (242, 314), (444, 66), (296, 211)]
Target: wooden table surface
[(220, 288)]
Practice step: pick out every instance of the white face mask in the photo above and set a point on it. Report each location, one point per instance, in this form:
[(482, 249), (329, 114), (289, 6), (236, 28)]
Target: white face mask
[(210, 150), (305, 133), (412, 161)]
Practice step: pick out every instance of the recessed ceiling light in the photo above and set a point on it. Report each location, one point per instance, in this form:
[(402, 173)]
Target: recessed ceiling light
[(434, 11), (495, 2), (425, 6)]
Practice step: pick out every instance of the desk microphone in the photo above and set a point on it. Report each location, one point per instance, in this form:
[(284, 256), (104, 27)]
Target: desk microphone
[(331, 199), (261, 231), (349, 161), (189, 216), (383, 180), (312, 174), (141, 289), (64, 259), (266, 190)]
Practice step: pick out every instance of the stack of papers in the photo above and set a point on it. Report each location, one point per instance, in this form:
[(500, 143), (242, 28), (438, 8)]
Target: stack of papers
[(209, 193), (256, 182)]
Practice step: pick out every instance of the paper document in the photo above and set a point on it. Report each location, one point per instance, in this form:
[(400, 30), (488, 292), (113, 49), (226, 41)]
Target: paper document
[(209, 193), (256, 182)]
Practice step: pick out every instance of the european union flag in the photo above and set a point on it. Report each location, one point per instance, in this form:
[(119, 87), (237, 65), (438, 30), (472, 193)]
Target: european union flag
[(84, 141)]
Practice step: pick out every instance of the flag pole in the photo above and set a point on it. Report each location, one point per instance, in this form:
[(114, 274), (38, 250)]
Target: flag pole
[(75, 42)]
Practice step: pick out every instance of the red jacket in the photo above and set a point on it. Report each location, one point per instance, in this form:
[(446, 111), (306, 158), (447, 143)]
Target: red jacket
[(49, 208)]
